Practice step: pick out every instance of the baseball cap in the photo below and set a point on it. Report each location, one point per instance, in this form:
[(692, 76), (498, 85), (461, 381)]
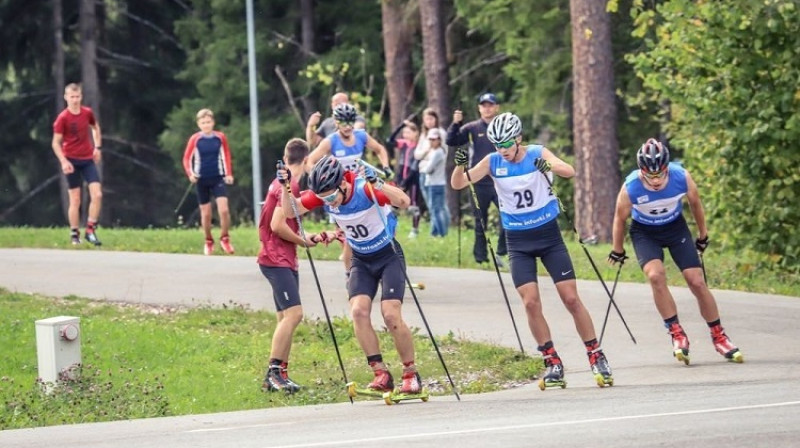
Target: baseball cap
[(433, 133), (488, 98)]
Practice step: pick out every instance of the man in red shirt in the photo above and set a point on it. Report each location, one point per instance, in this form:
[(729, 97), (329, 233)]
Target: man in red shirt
[(278, 262), (78, 156)]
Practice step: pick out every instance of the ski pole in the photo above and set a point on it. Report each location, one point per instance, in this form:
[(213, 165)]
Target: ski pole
[(608, 308), (588, 255), (288, 188), (366, 164), (413, 294), (183, 199), (703, 267), (479, 221)]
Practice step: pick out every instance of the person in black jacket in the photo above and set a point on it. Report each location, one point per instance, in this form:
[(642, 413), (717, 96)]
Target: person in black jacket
[(474, 133)]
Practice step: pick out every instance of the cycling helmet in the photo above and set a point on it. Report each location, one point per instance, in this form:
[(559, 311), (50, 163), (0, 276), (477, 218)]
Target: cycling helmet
[(653, 156), (345, 113), (504, 127), (326, 175)]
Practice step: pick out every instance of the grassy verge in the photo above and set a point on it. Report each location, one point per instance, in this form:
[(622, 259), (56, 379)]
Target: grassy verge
[(727, 268), (156, 361)]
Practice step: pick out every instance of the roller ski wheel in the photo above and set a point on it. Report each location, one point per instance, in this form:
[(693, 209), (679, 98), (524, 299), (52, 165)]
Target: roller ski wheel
[(550, 384), (396, 396), (603, 381), (353, 391), (682, 356), (736, 357), (600, 368)]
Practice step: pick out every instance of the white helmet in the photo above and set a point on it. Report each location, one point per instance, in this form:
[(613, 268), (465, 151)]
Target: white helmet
[(504, 127)]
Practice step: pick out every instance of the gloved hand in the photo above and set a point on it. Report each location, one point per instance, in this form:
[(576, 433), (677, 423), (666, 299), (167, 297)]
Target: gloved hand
[(701, 244), (542, 165), (372, 177), (387, 172), (462, 157), (617, 257), (282, 173)]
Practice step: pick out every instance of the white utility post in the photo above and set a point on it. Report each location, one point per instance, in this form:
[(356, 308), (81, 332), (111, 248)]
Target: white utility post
[(58, 347)]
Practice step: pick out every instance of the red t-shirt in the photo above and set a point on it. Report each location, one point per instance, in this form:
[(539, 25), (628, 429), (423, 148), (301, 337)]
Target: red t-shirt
[(75, 129), (275, 251)]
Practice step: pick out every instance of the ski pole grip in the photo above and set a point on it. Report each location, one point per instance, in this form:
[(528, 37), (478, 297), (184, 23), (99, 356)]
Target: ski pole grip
[(364, 163)]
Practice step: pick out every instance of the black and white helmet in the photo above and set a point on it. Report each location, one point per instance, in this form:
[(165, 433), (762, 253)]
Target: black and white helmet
[(653, 156), (326, 175), (345, 112), (504, 127)]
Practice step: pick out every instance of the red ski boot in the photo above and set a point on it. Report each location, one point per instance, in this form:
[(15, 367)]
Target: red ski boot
[(724, 345), (412, 383), (383, 380), (680, 342)]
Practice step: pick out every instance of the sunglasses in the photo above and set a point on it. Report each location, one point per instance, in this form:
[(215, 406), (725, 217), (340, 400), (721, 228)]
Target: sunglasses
[(346, 123), (331, 197), (505, 145), (657, 175)]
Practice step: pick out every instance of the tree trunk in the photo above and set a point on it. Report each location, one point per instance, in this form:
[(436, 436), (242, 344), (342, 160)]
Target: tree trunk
[(397, 43), (437, 77), (59, 83), (89, 78), (307, 41), (595, 119)]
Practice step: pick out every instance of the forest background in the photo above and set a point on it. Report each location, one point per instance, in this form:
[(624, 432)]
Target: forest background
[(591, 79)]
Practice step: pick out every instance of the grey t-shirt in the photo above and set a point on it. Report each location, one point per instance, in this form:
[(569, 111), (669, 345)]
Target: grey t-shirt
[(328, 126)]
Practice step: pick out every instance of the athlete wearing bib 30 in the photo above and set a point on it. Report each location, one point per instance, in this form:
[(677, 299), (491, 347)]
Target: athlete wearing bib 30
[(652, 196), (528, 210), (357, 206)]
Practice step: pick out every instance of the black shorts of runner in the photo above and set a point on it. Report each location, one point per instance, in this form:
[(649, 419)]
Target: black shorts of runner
[(84, 170), (208, 186), (649, 243), (384, 267), (545, 242), (285, 284)]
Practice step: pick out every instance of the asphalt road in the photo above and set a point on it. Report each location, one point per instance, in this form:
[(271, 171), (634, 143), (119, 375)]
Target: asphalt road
[(655, 400)]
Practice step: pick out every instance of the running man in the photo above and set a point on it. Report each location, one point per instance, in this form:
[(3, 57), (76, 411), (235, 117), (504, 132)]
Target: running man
[(279, 264), (652, 196), (528, 210), (377, 258), (78, 156), (207, 163)]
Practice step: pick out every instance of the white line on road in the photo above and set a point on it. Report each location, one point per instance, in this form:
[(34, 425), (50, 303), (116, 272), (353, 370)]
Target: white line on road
[(540, 425), (230, 428)]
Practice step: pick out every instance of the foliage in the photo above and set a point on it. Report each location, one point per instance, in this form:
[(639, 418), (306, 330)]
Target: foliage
[(729, 71), (144, 361)]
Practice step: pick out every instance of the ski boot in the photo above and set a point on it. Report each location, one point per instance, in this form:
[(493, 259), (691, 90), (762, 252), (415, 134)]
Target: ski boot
[(91, 237), (275, 381), (600, 368), (75, 238), (289, 383), (383, 381), (412, 384), (724, 345), (208, 247), (225, 242), (554, 374), (680, 342)]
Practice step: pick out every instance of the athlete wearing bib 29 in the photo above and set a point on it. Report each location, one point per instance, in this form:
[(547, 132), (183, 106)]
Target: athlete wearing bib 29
[(653, 197), (357, 205), (528, 211)]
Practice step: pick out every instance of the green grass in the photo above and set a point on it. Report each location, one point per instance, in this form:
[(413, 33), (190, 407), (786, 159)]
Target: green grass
[(155, 361), (727, 268)]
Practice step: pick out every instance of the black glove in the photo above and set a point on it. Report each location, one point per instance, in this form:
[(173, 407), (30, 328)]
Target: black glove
[(542, 165), (372, 177), (387, 172), (281, 167), (462, 157), (617, 257), (701, 245)]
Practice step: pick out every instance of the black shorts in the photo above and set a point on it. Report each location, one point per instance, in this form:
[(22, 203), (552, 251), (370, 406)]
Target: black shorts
[(545, 242), (285, 284), (649, 243), (208, 186), (84, 170), (384, 267)]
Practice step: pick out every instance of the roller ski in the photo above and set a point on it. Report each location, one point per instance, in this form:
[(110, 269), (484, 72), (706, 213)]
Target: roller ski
[(553, 374), (600, 368), (680, 343), (724, 346), (410, 390)]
